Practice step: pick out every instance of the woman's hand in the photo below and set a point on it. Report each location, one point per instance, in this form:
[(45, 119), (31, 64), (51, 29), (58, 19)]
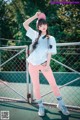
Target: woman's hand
[(28, 21), (37, 14), (46, 67)]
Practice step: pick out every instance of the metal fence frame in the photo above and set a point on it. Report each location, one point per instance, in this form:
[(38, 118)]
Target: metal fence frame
[(24, 48)]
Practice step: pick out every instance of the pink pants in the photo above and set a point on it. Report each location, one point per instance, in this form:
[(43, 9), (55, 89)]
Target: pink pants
[(34, 74)]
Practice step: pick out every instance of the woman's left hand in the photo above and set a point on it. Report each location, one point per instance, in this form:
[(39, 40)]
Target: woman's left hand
[(46, 68)]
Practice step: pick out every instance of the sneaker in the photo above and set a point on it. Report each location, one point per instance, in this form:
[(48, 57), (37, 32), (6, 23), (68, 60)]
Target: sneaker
[(41, 111), (63, 109)]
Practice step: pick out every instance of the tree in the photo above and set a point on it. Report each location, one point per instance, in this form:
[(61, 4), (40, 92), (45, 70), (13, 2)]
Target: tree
[(63, 21), (4, 22)]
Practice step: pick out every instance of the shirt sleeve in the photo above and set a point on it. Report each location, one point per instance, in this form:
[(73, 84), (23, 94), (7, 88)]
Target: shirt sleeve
[(32, 34), (53, 49)]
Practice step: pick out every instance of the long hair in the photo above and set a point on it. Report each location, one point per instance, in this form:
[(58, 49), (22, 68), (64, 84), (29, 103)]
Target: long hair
[(40, 22)]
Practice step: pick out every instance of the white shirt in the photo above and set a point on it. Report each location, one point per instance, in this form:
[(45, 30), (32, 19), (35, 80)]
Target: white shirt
[(39, 55)]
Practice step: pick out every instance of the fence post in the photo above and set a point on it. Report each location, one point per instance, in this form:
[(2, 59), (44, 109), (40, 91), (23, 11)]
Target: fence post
[(0, 55), (27, 75), (29, 95), (0, 60), (30, 88), (31, 84)]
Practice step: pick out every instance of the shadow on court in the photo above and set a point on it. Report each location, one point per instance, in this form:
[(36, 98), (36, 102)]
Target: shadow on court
[(25, 111)]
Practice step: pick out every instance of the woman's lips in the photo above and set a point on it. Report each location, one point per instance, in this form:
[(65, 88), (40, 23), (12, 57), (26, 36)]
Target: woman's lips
[(43, 28)]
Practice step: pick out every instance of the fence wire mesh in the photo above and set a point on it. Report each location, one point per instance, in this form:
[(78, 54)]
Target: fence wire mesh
[(13, 72), (66, 70)]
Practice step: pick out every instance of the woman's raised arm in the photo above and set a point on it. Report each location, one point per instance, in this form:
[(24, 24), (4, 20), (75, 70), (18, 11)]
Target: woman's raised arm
[(28, 21)]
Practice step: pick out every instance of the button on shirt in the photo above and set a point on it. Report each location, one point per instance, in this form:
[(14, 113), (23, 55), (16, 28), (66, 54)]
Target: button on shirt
[(39, 55)]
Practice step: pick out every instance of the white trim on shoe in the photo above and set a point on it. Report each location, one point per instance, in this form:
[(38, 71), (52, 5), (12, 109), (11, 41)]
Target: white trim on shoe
[(63, 109), (41, 111)]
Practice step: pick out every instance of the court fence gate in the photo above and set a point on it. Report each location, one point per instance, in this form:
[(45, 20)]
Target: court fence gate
[(14, 79)]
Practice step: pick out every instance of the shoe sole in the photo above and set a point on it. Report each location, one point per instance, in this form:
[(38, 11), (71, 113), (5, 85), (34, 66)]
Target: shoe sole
[(61, 110), (41, 115)]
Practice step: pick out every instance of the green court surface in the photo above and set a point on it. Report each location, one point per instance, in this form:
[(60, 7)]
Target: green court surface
[(25, 111), (70, 94)]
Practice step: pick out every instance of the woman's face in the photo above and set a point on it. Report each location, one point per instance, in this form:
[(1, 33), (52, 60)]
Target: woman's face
[(43, 27)]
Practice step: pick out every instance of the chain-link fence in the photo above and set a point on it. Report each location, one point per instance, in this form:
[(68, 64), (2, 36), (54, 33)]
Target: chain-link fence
[(14, 78), (66, 69), (14, 83)]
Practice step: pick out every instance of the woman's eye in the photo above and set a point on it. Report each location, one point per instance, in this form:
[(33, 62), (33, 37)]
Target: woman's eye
[(40, 25)]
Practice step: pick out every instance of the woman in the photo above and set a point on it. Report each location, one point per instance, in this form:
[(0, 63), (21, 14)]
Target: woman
[(44, 45)]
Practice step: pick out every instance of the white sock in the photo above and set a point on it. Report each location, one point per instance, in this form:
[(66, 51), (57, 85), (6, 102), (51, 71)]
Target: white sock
[(40, 103), (60, 100)]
